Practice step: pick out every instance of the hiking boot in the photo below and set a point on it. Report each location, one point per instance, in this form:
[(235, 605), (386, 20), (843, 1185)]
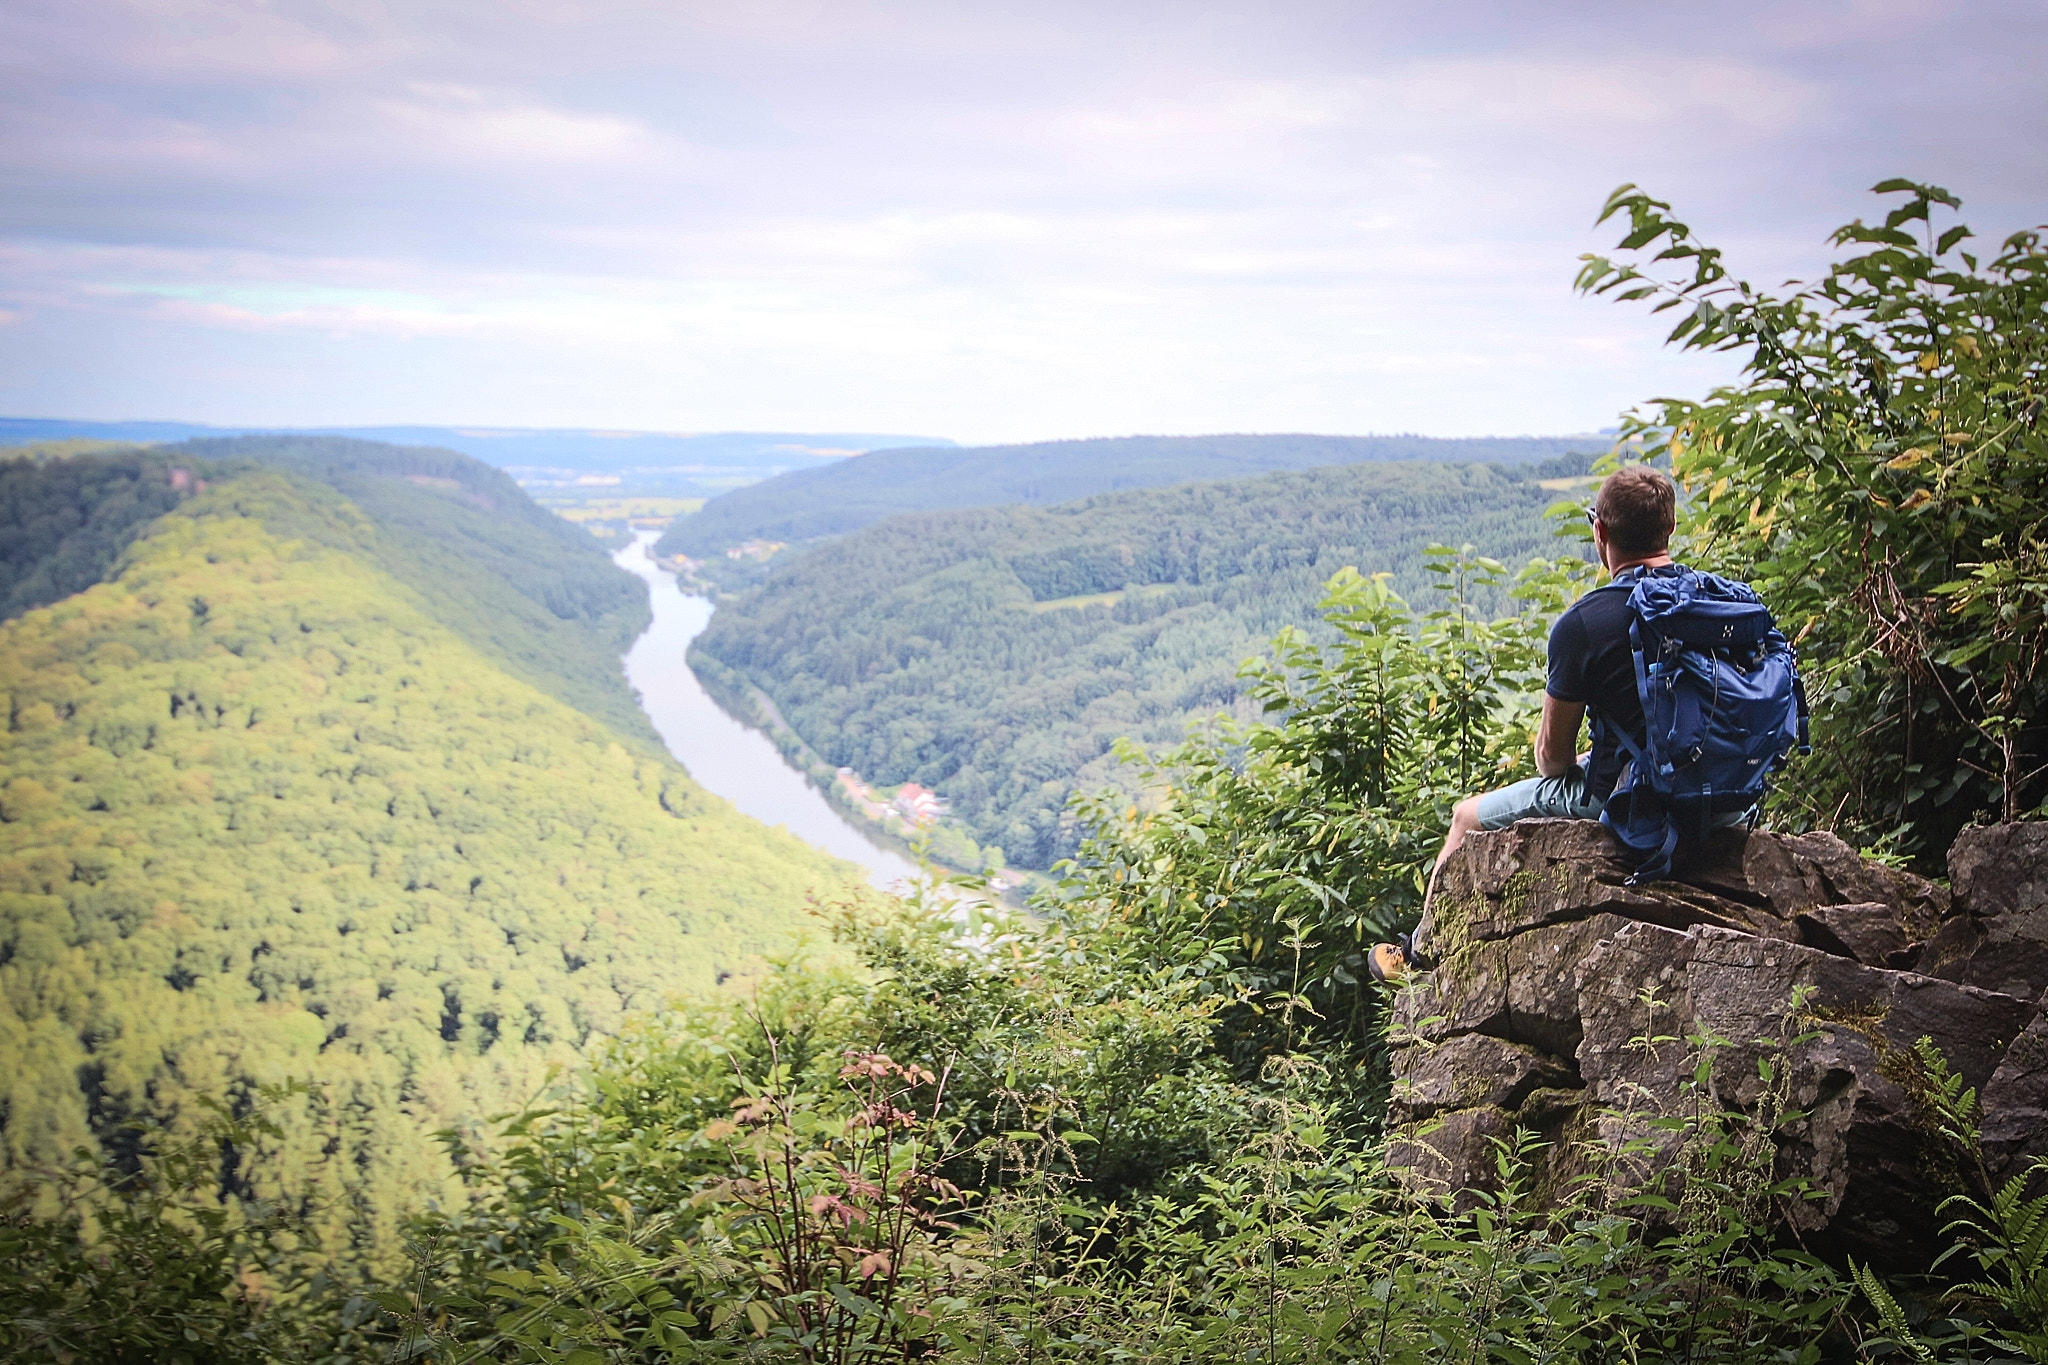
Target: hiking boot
[(1390, 963)]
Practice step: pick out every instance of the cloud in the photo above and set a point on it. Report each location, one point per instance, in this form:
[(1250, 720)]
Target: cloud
[(1615, 97), (461, 122), (989, 220)]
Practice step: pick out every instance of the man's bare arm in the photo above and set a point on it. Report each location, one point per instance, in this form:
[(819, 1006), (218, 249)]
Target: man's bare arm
[(1557, 738)]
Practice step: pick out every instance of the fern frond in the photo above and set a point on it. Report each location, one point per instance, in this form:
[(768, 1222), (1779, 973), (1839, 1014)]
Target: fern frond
[(1891, 1317)]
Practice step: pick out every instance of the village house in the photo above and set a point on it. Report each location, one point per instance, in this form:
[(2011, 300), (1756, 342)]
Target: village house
[(917, 805)]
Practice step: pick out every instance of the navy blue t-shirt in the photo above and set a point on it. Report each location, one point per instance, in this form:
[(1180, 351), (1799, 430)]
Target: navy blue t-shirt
[(1591, 662)]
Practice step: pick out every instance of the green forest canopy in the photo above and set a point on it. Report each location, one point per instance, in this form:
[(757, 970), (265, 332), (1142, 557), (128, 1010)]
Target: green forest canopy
[(268, 809), (995, 654), (64, 520), (808, 504), (529, 590)]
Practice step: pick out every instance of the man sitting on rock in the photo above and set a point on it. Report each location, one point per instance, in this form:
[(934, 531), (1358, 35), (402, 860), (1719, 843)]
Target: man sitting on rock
[(1592, 669)]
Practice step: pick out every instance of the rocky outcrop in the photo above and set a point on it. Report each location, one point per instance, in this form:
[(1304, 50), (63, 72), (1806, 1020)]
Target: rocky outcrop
[(2000, 936), (1569, 1004)]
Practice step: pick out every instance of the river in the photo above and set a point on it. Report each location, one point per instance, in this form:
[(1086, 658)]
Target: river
[(740, 764)]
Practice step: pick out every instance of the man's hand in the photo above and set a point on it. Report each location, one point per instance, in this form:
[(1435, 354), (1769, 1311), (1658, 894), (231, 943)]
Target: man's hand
[(1557, 738)]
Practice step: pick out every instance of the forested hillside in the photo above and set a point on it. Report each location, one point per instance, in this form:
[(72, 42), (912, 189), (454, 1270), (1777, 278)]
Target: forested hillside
[(995, 654), (528, 589), (806, 504), (63, 521), (298, 792)]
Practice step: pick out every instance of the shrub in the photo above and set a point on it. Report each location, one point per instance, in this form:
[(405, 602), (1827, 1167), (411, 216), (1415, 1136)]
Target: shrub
[(1879, 474)]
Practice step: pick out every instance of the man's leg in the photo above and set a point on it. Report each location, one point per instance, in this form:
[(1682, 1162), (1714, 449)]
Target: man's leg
[(1524, 800), (1464, 821), (1528, 799)]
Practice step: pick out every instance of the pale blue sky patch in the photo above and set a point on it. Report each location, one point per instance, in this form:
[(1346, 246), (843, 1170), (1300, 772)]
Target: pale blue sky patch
[(279, 299)]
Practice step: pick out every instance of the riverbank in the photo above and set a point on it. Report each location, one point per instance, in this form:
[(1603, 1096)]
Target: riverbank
[(942, 844), (723, 753)]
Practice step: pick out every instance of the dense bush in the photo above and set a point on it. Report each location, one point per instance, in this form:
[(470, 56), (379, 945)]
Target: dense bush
[(768, 1185), (1274, 854), (762, 1182), (145, 1260), (1881, 475)]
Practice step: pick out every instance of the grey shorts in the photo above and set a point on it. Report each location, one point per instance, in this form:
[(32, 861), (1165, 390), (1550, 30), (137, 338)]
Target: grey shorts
[(1534, 797), (1563, 797)]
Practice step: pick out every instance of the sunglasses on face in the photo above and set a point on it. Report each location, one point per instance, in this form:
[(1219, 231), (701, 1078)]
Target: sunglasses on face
[(1592, 517)]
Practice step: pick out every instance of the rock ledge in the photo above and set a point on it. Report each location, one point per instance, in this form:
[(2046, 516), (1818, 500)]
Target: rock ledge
[(1562, 999)]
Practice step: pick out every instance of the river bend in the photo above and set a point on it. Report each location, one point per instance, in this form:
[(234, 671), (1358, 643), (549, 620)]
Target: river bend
[(740, 764)]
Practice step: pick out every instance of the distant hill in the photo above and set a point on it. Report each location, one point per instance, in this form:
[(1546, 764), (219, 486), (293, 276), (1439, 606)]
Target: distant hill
[(332, 773), (993, 654), (533, 592), (691, 462), (831, 500), (63, 521)]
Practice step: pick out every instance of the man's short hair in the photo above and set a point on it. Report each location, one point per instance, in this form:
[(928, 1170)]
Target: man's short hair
[(1638, 506)]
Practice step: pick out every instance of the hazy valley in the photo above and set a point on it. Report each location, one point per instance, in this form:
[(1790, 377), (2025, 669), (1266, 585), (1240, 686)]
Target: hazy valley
[(377, 984), (321, 765)]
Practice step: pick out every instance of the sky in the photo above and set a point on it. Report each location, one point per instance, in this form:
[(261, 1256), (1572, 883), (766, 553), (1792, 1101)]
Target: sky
[(985, 221)]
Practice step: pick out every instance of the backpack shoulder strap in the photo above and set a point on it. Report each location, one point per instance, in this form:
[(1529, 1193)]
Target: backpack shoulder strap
[(1625, 582), (1644, 761)]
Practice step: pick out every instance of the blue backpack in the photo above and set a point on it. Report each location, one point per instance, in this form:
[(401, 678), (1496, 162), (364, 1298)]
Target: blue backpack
[(1722, 706)]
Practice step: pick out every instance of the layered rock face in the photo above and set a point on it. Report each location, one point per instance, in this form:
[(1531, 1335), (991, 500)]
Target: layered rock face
[(1569, 1004)]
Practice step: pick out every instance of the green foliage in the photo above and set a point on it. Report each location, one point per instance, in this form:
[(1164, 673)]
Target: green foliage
[(743, 1184), (1054, 1028), (64, 521), (536, 596), (262, 815), (709, 1234), (1274, 855), (844, 496), (815, 1234), (777, 1184), (2003, 1315), (996, 655), (1301, 1251), (2007, 1236), (151, 1263), (1879, 474)]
